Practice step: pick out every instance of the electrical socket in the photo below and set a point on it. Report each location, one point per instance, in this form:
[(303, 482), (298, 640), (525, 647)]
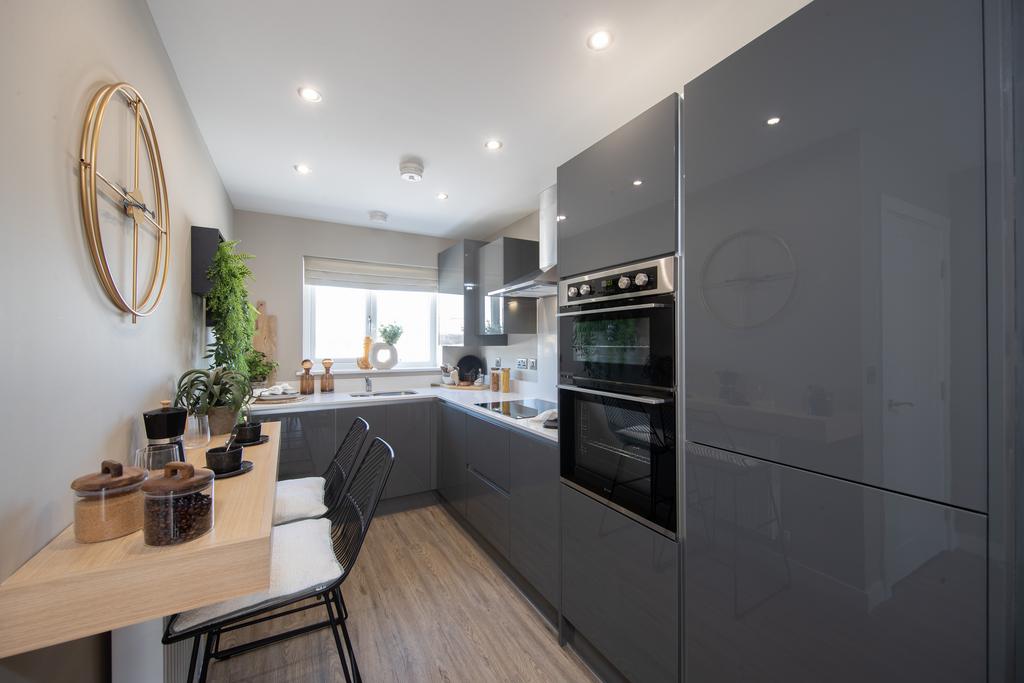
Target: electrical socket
[(520, 363), (531, 363)]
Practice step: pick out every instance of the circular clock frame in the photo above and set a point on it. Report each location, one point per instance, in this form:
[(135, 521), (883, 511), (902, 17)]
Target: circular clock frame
[(154, 216), (749, 280)]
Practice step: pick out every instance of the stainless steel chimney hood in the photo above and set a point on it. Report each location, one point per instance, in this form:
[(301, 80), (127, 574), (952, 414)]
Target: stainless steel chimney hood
[(535, 285), (543, 281)]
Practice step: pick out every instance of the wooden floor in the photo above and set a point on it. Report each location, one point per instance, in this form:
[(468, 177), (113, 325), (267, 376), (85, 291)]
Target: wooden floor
[(426, 604)]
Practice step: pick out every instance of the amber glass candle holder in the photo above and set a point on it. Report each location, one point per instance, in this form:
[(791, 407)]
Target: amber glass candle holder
[(327, 379)]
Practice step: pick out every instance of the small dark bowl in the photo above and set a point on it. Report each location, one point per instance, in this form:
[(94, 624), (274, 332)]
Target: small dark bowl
[(247, 433), (222, 461)]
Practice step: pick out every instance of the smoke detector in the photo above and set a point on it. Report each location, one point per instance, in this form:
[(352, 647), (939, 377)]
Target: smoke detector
[(378, 217), (411, 169)]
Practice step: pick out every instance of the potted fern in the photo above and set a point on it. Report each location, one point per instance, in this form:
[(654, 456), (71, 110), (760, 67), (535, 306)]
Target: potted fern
[(219, 393), (228, 309)]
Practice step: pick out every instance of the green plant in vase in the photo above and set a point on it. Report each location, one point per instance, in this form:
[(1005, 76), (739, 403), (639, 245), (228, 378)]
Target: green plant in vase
[(220, 393), (260, 366), (390, 333), (227, 304)]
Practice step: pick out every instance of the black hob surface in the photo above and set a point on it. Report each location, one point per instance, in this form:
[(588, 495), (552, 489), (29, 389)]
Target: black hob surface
[(519, 410)]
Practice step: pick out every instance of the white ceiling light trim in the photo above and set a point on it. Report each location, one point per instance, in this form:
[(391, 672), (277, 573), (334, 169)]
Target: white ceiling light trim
[(302, 169), (378, 216), (599, 40), (310, 94), (493, 145)]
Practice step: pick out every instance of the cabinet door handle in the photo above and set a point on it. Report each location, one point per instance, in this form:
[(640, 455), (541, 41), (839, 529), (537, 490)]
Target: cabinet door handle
[(649, 400), (614, 309), (893, 405)]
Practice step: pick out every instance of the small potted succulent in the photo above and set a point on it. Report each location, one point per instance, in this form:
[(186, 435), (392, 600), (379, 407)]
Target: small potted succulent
[(219, 393), (260, 368)]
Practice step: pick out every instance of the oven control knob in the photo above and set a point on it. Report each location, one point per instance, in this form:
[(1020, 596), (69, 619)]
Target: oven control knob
[(573, 292), (624, 282), (641, 279), (585, 290)]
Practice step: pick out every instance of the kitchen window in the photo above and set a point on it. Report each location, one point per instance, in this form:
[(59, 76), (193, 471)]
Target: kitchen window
[(345, 301)]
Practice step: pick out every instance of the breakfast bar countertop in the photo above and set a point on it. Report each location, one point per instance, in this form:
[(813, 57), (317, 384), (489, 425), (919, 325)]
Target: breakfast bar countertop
[(70, 590), (464, 398)]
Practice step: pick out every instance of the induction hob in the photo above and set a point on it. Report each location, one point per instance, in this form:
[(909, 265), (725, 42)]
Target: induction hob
[(519, 410)]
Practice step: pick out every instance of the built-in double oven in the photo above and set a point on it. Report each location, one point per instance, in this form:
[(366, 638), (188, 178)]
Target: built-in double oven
[(616, 398)]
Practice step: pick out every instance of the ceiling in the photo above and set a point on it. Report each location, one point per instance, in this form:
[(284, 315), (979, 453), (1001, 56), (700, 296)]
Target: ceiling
[(434, 80)]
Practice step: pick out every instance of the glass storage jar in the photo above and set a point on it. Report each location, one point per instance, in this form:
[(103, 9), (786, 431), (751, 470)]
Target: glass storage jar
[(108, 503), (178, 504)]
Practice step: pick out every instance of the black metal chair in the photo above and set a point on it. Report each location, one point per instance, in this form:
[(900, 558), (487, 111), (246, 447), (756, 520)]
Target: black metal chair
[(349, 516), (336, 476)]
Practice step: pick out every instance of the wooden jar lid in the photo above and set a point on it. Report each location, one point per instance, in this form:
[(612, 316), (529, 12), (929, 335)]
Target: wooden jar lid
[(178, 477), (112, 475)]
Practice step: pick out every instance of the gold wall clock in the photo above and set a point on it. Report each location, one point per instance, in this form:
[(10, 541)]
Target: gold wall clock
[(142, 198)]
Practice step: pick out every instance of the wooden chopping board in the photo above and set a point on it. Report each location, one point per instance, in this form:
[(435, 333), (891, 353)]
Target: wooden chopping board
[(264, 338)]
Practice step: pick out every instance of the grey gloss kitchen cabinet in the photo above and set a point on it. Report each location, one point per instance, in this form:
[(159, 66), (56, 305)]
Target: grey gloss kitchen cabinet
[(451, 456), (607, 218), (458, 300), (620, 589), (487, 510), (409, 428), (487, 450), (501, 261), (307, 442), (533, 519), (795, 576), (487, 459)]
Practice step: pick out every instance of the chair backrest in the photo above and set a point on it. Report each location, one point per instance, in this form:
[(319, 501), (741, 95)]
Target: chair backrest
[(351, 516), (339, 471)]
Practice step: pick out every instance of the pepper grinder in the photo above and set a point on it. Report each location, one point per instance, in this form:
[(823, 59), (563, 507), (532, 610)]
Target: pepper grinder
[(327, 379), (306, 380)]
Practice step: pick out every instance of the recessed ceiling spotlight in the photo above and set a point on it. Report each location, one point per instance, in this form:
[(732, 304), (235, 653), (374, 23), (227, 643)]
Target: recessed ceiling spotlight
[(378, 216), (773, 121), (411, 169), (638, 182), (442, 195), (493, 145), (302, 169), (559, 218), (599, 40), (310, 94)]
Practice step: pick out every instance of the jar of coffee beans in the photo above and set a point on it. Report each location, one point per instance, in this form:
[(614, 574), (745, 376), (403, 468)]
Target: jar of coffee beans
[(108, 503), (178, 504)]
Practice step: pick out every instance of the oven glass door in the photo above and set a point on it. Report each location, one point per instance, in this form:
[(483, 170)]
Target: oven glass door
[(622, 449), (630, 344)]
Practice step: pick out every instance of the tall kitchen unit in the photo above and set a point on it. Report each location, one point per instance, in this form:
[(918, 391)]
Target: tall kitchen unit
[(840, 524)]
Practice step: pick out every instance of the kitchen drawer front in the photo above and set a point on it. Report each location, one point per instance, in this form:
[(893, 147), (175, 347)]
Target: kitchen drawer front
[(487, 450), (487, 508), (620, 588), (817, 579), (533, 529)]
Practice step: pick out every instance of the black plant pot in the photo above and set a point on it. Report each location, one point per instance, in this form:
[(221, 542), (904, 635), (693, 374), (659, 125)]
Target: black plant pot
[(222, 461), (249, 432)]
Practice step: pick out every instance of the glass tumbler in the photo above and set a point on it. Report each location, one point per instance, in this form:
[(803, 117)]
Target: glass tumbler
[(154, 456), (197, 431)]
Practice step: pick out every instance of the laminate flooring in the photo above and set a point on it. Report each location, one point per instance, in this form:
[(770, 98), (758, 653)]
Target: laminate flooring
[(426, 604)]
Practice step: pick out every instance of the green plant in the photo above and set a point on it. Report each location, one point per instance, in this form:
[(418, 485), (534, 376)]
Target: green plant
[(227, 304), (259, 366), (390, 333), (200, 390)]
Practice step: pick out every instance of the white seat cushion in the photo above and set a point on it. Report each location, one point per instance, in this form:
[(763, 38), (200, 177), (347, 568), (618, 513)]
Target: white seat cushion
[(299, 499), (302, 559)]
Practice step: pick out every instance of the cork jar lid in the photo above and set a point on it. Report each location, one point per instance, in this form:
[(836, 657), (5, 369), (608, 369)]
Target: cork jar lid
[(178, 477), (112, 475)]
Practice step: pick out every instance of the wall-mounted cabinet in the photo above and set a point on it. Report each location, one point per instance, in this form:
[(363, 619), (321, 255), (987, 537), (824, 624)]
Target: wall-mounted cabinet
[(500, 262), (459, 306)]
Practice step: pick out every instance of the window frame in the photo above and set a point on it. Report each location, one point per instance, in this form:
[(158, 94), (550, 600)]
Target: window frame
[(309, 330)]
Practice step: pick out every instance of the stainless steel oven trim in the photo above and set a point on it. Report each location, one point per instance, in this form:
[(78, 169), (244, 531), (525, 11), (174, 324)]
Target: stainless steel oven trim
[(666, 281), (612, 309), (648, 400), (621, 510)]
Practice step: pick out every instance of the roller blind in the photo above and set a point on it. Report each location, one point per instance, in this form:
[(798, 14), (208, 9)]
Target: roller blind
[(368, 275)]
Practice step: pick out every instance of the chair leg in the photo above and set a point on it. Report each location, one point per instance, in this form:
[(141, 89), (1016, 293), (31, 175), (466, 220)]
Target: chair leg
[(348, 639), (207, 655), (337, 639), (192, 661)]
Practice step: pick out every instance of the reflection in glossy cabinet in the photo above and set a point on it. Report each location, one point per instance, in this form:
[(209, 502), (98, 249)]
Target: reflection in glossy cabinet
[(620, 588), (307, 442), (451, 457), (609, 218), (794, 576), (835, 280), (533, 528)]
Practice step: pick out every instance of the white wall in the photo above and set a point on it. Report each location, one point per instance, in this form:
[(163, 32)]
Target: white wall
[(78, 372), (280, 242)]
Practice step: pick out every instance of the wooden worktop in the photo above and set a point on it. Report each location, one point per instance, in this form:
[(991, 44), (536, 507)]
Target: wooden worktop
[(70, 590)]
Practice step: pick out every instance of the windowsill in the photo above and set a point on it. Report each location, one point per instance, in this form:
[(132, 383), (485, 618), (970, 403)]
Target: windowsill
[(397, 372)]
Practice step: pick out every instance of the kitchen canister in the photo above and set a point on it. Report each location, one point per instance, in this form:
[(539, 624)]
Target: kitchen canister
[(108, 503), (506, 380), (178, 504)]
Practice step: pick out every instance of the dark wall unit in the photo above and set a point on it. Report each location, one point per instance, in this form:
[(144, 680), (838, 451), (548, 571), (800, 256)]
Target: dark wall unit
[(502, 261), (836, 478), (459, 304), (204, 245), (609, 220), (620, 588)]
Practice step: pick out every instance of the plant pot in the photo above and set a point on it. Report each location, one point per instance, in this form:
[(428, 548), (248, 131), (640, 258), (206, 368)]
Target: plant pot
[(249, 432), (262, 384), (222, 461), (383, 356), (222, 419)]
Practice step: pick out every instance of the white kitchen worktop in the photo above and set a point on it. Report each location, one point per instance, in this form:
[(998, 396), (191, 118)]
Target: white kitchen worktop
[(462, 398)]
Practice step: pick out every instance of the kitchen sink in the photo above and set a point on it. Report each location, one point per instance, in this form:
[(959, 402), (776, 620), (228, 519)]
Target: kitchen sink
[(383, 393)]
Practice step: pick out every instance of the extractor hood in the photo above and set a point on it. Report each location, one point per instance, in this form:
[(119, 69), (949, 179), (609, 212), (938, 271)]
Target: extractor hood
[(543, 281)]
